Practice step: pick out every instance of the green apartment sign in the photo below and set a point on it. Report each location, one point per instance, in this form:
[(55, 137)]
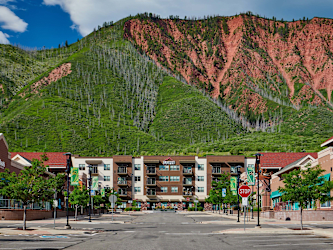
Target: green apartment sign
[(250, 175)]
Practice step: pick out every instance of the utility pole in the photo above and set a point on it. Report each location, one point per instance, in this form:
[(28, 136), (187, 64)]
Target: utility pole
[(69, 164), (89, 180), (258, 173)]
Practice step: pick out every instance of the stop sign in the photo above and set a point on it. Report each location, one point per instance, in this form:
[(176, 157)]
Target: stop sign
[(187, 199), (244, 191)]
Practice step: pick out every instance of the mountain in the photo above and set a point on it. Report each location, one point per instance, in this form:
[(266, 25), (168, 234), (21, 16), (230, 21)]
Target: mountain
[(112, 93)]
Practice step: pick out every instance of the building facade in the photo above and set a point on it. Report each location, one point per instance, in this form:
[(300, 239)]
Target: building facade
[(157, 181)]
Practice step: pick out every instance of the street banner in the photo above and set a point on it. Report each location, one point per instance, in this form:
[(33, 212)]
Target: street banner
[(94, 185), (74, 176), (250, 175), (224, 192), (233, 185), (103, 192)]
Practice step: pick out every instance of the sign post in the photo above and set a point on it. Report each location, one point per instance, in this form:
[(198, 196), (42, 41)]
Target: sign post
[(112, 199), (244, 191)]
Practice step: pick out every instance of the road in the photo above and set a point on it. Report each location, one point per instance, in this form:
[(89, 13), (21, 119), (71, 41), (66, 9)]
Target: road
[(165, 231)]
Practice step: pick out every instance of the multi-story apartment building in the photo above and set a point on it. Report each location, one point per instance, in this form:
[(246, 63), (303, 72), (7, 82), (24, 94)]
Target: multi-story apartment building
[(159, 180)]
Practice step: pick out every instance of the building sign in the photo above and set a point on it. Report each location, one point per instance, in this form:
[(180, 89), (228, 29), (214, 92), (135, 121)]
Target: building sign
[(169, 161), (2, 164), (74, 176), (250, 175), (103, 192)]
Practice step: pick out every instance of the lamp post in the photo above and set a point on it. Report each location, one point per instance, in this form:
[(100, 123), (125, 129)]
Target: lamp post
[(89, 182), (238, 172), (258, 173), (69, 164)]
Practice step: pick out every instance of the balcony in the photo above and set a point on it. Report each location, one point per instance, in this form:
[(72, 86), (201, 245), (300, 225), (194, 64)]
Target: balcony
[(151, 182), (187, 182), (122, 183), (122, 192), (187, 171), (216, 171), (187, 193), (151, 171), (151, 193), (122, 171)]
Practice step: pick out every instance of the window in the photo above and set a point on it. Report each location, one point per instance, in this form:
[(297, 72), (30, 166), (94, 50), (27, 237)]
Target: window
[(326, 204), (82, 167), (201, 178), (163, 178), (174, 167), (137, 167), (137, 189), (174, 189), (107, 167), (106, 178), (164, 189), (201, 189), (164, 167), (201, 167), (174, 178), (137, 178)]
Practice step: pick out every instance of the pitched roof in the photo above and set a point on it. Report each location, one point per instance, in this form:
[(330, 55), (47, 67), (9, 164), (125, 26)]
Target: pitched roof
[(281, 160), (56, 159), (292, 165), (328, 142)]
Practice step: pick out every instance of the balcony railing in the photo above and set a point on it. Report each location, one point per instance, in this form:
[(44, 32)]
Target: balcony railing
[(122, 170), (151, 171), (151, 181), (187, 171), (151, 192), (122, 182), (216, 171), (122, 192), (187, 182), (187, 193)]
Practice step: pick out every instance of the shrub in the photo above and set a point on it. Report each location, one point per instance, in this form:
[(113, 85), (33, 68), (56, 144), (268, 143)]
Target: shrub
[(136, 209), (128, 209)]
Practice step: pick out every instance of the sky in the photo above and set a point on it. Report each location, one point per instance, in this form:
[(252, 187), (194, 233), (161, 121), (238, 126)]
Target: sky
[(39, 23)]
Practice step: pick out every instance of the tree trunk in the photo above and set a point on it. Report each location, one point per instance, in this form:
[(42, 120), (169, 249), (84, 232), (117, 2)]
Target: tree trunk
[(76, 212), (219, 208), (24, 217), (301, 218)]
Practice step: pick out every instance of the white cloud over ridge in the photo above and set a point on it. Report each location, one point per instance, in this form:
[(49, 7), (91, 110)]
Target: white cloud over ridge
[(10, 21), (3, 38), (88, 14)]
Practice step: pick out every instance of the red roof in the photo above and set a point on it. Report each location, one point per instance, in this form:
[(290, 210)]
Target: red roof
[(328, 140), (280, 160), (56, 159)]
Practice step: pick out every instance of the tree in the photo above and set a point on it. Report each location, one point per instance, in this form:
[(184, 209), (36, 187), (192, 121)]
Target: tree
[(215, 194), (306, 186), (79, 197), (31, 185), (66, 43)]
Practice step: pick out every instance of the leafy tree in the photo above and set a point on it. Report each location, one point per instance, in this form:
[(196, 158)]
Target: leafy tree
[(66, 43), (306, 187), (215, 194), (79, 197), (31, 185)]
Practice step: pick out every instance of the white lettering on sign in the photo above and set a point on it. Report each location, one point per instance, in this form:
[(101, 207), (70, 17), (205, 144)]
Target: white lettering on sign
[(2, 164), (169, 162), (244, 191)]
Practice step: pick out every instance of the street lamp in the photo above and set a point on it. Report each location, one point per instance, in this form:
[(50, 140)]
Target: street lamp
[(258, 173), (89, 182), (238, 173), (69, 164)]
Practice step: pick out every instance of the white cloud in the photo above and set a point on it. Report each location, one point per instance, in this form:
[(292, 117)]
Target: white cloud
[(6, 1), (3, 38), (10, 21), (87, 14)]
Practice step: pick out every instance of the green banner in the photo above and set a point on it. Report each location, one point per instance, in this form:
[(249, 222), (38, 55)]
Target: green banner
[(233, 183), (74, 176), (234, 192), (94, 185), (103, 192), (250, 175)]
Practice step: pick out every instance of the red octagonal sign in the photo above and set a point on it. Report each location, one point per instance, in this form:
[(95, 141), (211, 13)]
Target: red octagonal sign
[(244, 191)]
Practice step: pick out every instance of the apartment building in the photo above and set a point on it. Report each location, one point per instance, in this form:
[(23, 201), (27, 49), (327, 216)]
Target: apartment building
[(157, 181)]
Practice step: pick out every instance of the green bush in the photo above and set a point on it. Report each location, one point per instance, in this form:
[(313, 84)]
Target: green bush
[(128, 209), (136, 209)]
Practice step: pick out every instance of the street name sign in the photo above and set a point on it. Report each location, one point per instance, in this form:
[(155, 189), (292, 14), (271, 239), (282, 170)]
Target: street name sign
[(196, 201), (244, 191)]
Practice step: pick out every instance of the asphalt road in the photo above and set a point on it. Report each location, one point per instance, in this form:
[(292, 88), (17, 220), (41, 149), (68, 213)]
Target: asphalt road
[(165, 231)]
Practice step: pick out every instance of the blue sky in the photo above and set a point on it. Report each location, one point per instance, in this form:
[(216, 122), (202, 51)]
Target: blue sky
[(38, 23)]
